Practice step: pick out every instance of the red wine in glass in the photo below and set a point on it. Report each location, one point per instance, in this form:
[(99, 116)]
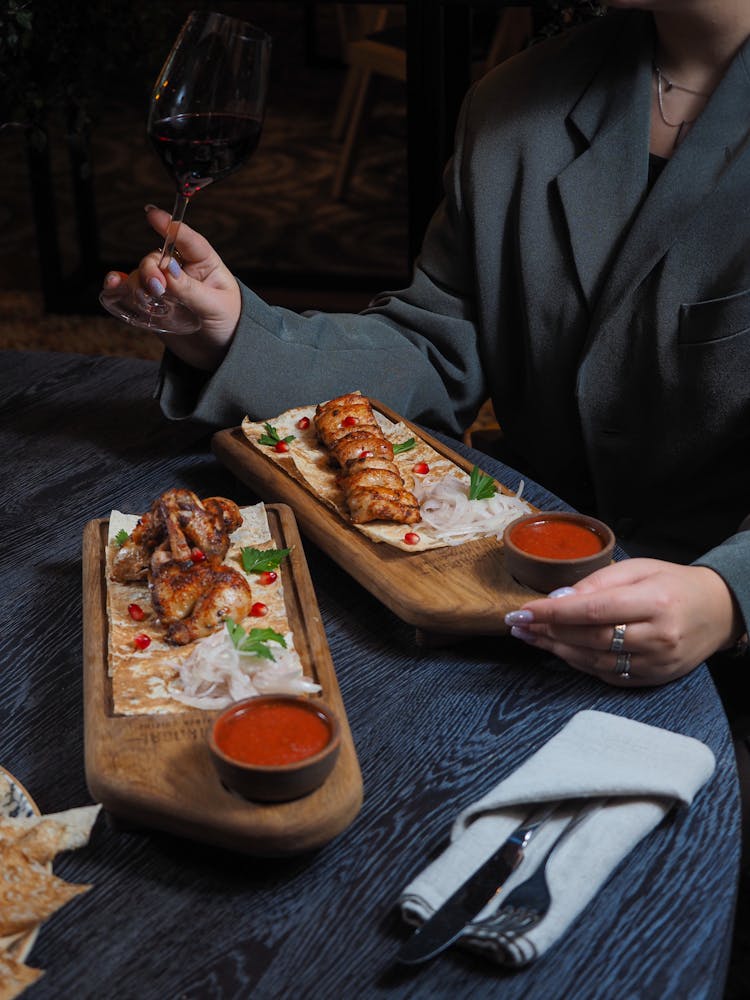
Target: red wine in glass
[(204, 122), (198, 149)]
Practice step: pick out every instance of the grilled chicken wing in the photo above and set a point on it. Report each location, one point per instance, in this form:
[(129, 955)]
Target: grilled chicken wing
[(190, 523), (133, 558), (177, 523), (193, 599)]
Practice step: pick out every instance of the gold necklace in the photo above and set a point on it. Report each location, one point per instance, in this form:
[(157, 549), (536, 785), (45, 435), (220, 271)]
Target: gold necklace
[(663, 85)]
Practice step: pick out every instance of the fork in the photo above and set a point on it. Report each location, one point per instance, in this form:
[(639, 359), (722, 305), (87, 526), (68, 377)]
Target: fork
[(528, 903)]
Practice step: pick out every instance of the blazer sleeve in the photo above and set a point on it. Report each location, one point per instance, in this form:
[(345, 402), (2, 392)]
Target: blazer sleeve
[(415, 350), (731, 560)]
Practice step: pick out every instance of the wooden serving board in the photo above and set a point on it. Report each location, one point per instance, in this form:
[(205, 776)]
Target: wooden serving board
[(460, 590), (156, 771)]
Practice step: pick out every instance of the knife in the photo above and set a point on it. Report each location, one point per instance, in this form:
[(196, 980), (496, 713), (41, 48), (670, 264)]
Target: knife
[(445, 925)]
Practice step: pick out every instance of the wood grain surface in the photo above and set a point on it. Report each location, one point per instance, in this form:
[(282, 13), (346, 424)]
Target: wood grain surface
[(457, 590), (434, 730), (156, 770)]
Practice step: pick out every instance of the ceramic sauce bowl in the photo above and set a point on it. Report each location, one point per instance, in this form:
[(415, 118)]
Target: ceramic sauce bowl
[(274, 748), (552, 549)]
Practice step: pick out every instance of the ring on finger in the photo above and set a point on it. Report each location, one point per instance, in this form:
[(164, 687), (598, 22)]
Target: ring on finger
[(618, 639), (622, 665)]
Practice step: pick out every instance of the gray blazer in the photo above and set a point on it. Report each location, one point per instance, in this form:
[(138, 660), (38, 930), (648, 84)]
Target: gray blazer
[(610, 325)]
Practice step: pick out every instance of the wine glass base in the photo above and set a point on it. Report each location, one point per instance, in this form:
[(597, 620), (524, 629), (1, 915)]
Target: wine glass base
[(167, 315)]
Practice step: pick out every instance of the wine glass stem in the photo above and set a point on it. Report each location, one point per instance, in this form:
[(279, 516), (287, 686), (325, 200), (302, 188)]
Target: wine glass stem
[(170, 237)]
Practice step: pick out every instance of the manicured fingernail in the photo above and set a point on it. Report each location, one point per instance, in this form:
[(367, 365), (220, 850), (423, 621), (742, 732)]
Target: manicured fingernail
[(149, 208), (174, 268), (562, 592), (524, 617), (155, 287), (523, 633)]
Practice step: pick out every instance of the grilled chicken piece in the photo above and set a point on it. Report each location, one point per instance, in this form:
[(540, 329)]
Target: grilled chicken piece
[(360, 443), (376, 503), (193, 599), (373, 487), (372, 477), (336, 423), (226, 509), (132, 559), (189, 523), (370, 465), (179, 520)]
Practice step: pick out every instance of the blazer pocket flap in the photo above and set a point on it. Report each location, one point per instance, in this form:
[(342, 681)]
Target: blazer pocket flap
[(715, 319)]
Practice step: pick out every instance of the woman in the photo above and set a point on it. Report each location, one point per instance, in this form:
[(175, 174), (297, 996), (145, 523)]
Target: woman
[(588, 270)]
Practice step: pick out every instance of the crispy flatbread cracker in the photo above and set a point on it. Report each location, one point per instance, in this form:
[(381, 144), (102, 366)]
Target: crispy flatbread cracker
[(29, 892), (42, 838), (15, 977), (141, 678), (309, 463)]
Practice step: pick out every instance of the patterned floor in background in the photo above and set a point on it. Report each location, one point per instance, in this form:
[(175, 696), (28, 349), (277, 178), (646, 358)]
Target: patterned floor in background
[(275, 214)]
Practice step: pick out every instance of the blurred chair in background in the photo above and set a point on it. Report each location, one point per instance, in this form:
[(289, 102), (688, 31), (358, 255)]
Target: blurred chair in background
[(374, 43)]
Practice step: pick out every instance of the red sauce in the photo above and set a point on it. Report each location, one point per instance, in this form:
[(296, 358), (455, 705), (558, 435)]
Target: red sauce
[(553, 539), (271, 733)]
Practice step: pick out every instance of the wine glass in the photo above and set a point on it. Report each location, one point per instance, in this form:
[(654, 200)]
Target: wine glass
[(204, 121)]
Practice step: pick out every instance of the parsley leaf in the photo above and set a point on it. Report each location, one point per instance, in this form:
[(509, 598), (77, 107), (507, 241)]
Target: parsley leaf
[(271, 437), (255, 641), (481, 486), (262, 560), (121, 537), (404, 446)]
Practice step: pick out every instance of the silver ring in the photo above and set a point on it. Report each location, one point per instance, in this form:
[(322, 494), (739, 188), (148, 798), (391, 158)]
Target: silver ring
[(622, 665), (618, 639)]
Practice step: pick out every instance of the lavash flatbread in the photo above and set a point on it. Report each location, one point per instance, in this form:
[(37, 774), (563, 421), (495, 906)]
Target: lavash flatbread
[(308, 462), (29, 892), (141, 678), (43, 838), (15, 976)]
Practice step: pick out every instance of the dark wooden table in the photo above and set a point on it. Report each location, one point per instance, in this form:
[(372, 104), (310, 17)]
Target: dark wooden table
[(434, 730)]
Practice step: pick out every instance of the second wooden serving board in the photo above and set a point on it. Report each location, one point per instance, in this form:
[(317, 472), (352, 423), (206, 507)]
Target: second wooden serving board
[(458, 591), (156, 770)]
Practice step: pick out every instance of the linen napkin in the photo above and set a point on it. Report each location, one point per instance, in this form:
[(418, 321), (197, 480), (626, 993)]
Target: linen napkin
[(638, 772)]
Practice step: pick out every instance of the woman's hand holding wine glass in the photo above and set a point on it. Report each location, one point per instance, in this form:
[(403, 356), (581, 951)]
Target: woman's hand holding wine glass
[(204, 121)]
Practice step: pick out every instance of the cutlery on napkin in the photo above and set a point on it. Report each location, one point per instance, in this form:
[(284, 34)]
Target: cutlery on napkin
[(641, 770)]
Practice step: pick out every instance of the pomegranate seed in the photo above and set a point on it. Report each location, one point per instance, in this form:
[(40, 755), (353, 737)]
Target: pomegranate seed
[(411, 538), (421, 468), (258, 610), (348, 421), (303, 423), (281, 446), (267, 576), (136, 612), (142, 641), (197, 555)]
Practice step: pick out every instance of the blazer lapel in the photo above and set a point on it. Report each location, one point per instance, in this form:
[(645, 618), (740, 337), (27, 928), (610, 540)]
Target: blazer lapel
[(719, 136), (601, 189)]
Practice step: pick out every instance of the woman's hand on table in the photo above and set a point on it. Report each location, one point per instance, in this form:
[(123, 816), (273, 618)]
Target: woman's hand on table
[(675, 617), (201, 281)]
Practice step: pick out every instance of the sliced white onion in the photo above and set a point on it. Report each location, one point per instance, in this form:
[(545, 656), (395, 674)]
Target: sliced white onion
[(453, 518), (215, 674)]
